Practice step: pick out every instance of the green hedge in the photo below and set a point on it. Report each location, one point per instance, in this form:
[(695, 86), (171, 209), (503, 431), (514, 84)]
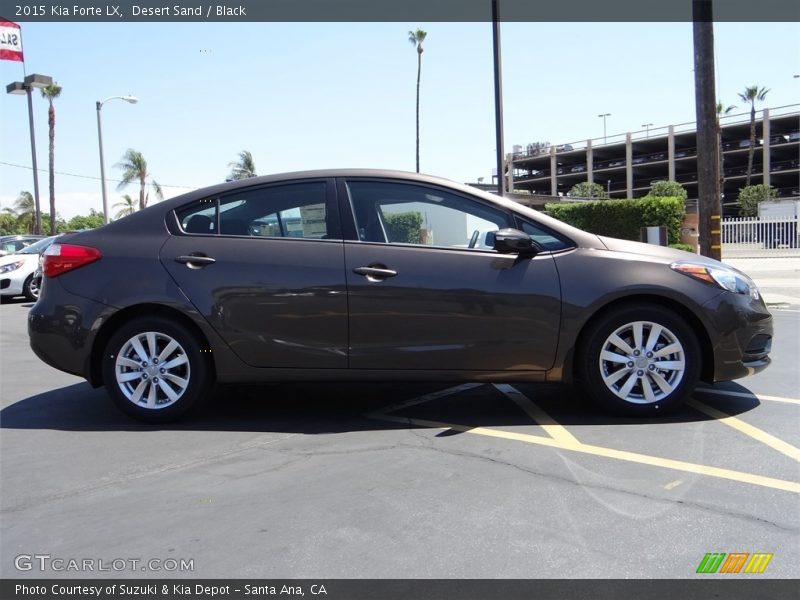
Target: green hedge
[(404, 228), (623, 218)]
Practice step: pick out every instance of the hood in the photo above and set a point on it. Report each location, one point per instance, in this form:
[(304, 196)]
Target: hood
[(651, 250)]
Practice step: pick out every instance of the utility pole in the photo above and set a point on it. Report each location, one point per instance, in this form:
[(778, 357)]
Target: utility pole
[(498, 99), (708, 189)]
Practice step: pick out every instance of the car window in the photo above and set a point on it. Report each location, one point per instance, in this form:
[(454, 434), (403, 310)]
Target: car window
[(295, 210), (545, 238), (38, 247), (397, 213)]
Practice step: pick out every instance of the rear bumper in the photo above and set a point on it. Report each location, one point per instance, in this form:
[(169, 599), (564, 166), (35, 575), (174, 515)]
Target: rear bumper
[(62, 334)]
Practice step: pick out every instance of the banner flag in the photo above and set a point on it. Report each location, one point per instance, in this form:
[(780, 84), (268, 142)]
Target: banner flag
[(10, 41)]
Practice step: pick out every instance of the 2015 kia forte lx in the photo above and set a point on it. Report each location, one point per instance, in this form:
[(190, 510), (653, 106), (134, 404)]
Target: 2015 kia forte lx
[(380, 275)]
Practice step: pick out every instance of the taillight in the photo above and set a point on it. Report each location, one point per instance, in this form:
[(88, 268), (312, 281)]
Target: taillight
[(61, 258)]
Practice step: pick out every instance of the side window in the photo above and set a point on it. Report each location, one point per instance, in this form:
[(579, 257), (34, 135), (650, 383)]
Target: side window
[(398, 213), (546, 239), (296, 210), (199, 217)]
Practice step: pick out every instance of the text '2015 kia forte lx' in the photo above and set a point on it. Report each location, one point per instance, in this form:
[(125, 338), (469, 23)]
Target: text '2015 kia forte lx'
[(380, 275)]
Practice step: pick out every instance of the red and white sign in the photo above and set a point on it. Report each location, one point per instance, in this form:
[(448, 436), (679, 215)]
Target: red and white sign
[(10, 41)]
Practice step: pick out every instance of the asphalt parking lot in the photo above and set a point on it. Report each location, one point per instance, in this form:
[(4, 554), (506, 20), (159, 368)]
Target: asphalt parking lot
[(397, 481)]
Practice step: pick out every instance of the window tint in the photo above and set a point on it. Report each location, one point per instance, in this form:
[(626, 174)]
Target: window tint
[(546, 239), (399, 213), (295, 210)]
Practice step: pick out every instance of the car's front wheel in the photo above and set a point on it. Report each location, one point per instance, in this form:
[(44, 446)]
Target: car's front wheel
[(639, 360), (154, 369)]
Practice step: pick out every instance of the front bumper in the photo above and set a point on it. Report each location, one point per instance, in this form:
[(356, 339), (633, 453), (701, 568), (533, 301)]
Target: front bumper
[(743, 338)]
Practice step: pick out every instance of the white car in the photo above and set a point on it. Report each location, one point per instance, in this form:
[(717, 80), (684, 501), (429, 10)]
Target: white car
[(16, 270)]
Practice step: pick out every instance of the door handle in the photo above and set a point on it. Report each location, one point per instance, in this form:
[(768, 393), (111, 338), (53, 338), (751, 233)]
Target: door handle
[(374, 273), (195, 261)]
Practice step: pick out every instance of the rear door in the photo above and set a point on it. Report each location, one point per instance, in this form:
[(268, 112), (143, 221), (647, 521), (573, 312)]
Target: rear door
[(264, 266)]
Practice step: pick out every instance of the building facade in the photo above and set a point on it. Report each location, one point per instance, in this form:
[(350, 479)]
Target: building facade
[(626, 165)]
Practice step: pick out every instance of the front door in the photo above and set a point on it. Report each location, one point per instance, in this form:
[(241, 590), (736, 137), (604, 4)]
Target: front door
[(426, 292)]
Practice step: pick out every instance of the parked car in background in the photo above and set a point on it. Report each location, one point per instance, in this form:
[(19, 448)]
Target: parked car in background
[(381, 275), (9, 244), (16, 270)]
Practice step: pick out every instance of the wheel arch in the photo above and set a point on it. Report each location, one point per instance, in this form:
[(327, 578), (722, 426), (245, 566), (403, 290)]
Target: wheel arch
[(128, 314), (697, 326)]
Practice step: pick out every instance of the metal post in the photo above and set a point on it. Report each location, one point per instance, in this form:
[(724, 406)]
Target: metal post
[(37, 218), (102, 164), (498, 99)]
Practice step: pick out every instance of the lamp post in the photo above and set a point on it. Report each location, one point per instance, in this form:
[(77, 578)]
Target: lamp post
[(603, 116), (498, 99), (25, 87), (130, 100), (647, 127)]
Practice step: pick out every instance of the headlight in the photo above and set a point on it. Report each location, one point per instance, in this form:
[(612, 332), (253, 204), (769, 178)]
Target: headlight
[(722, 276), (11, 266)]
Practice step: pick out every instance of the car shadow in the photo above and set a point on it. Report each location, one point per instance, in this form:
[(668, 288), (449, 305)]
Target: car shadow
[(337, 408)]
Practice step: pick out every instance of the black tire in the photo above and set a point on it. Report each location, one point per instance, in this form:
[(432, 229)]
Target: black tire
[(145, 390), (30, 289), (656, 375)]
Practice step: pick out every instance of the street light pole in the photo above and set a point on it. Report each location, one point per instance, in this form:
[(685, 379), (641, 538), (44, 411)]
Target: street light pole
[(647, 127), (99, 105), (604, 115), (498, 98), (26, 87)]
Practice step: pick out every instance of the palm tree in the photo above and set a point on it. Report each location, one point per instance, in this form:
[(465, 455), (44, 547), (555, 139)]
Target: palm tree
[(416, 38), (126, 207), (25, 209), (134, 168), (752, 94), (244, 167), (722, 110), (51, 92)]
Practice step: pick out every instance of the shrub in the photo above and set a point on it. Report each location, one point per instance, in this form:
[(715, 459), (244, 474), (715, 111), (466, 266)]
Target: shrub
[(587, 190), (752, 195), (684, 247), (667, 189), (404, 228), (623, 218)]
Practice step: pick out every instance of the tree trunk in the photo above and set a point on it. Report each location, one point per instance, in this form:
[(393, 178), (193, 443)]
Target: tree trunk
[(752, 149), (52, 122), (419, 74), (142, 201)]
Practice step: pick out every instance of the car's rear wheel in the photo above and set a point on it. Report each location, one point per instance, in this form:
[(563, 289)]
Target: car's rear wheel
[(639, 360), (154, 369), (31, 288)]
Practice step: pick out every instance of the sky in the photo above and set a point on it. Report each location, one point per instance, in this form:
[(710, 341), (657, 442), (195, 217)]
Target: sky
[(326, 95)]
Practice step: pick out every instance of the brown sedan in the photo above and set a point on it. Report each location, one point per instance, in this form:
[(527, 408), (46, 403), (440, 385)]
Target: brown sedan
[(380, 275)]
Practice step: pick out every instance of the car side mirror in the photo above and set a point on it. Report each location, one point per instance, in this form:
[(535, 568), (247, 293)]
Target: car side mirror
[(512, 241)]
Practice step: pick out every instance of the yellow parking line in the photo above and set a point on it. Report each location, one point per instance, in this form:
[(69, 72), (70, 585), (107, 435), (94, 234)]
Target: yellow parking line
[(747, 429), (748, 395), (666, 463), (540, 417)]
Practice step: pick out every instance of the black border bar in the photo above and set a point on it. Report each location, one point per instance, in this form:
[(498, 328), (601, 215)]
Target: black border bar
[(391, 10), (727, 587)]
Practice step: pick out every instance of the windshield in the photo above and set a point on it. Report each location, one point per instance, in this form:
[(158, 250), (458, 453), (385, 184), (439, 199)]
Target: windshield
[(38, 247)]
